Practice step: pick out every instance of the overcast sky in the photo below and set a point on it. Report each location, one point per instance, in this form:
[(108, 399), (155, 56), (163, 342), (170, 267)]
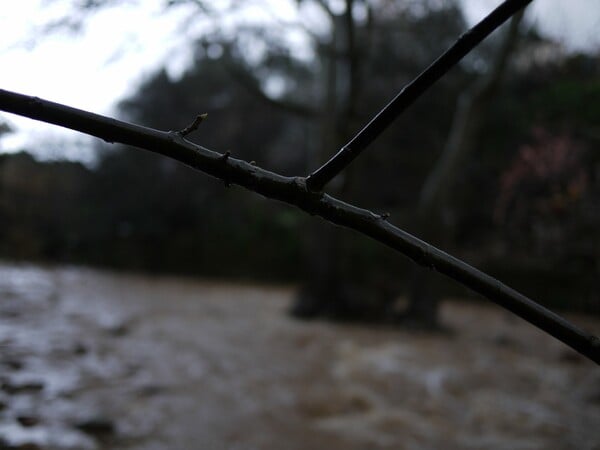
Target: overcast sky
[(93, 69)]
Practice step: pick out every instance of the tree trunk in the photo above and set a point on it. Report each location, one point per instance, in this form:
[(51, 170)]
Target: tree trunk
[(472, 105), (327, 291)]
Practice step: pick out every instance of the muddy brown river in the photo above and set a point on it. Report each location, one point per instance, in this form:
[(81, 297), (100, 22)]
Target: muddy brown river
[(92, 360)]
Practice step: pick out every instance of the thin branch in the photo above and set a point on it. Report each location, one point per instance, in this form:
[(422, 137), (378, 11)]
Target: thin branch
[(411, 92), (293, 190), (466, 124)]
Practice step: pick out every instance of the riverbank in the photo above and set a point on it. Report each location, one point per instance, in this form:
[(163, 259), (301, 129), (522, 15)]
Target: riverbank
[(92, 359)]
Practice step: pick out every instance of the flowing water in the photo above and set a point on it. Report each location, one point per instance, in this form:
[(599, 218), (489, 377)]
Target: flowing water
[(93, 360)]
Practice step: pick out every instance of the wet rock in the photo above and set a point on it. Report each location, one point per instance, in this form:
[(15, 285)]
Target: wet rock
[(119, 329), (319, 405), (150, 390), (13, 363), (15, 387), (28, 421), (97, 426), (11, 313), (80, 349), (5, 445)]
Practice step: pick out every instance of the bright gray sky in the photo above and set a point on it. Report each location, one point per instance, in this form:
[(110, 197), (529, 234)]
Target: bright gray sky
[(94, 69)]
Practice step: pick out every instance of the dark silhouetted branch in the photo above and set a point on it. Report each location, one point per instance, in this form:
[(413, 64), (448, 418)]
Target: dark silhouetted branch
[(411, 92), (467, 121), (293, 190)]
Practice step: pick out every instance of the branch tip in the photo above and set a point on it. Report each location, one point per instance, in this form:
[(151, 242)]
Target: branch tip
[(194, 125)]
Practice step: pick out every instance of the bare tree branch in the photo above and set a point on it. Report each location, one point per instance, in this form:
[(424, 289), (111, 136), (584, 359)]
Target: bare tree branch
[(411, 92), (467, 121), (293, 190)]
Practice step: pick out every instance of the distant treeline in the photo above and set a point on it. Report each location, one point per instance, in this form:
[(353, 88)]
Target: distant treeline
[(526, 207)]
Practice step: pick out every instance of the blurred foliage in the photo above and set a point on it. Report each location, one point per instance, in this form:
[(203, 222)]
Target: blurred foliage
[(526, 207)]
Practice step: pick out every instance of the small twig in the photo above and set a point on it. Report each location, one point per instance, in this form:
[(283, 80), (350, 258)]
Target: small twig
[(194, 125)]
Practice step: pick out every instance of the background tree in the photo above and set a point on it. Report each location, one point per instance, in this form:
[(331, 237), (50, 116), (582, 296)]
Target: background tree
[(433, 210), (354, 46), (271, 102)]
